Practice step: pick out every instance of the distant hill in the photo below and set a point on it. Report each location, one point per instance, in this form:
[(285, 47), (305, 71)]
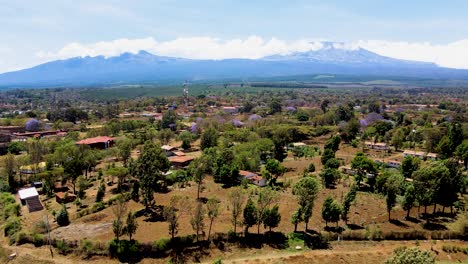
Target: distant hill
[(144, 67)]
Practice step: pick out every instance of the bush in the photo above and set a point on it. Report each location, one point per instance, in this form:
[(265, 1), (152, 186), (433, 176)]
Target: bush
[(405, 255), (38, 240), (19, 238), (7, 198), (12, 226), (374, 234), (98, 207), (11, 209), (311, 167), (39, 227), (63, 247), (62, 217), (162, 244), (124, 250), (86, 248)]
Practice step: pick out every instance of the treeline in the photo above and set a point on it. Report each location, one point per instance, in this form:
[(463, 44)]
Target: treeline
[(287, 85)]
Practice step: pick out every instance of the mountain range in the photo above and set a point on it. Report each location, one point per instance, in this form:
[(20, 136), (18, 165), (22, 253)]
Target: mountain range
[(144, 67)]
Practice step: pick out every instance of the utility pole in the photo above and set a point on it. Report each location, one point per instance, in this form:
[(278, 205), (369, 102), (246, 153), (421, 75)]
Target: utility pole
[(49, 241)]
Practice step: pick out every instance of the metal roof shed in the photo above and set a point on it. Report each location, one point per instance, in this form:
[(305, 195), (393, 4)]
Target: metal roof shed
[(27, 193)]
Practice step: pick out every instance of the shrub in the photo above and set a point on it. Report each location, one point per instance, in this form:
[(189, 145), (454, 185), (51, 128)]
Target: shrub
[(12, 226), (374, 234), (39, 228), (101, 192), (245, 183), (98, 207), (7, 198), (38, 240), (86, 248), (19, 238), (311, 167), (162, 244), (11, 209), (62, 217), (405, 255), (63, 247), (124, 250)]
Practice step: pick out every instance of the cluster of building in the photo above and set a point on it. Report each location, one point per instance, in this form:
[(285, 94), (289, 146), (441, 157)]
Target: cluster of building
[(376, 145), (10, 134), (420, 154)]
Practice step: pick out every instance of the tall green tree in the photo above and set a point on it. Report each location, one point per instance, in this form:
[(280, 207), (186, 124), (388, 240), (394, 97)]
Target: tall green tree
[(409, 165), (329, 176), (209, 138), (461, 152), (349, 198), (363, 165), (333, 143), (165, 136), (236, 201), (392, 189), (266, 197), (296, 218), (131, 225), (73, 169), (119, 209), (331, 210), (250, 215), (149, 168), (398, 138), (178, 206), (451, 183), (275, 106), (212, 207), (328, 154), (187, 138), (9, 166), (197, 220), (272, 217), (409, 199), (125, 149), (169, 117), (306, 190), (196, 170), (275, 169)]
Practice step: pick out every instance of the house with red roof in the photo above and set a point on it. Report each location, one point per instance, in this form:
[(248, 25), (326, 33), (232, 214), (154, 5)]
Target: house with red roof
[(253, 178), (180, 161), (102, 142)]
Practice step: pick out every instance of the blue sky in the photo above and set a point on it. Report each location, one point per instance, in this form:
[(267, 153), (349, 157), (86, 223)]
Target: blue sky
[(36, 31)]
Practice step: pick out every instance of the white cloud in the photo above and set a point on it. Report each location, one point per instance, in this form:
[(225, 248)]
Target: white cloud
[(453, 54), (193, 47)]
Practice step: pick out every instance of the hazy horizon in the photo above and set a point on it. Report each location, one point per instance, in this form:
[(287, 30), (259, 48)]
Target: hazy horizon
[(38, 32)]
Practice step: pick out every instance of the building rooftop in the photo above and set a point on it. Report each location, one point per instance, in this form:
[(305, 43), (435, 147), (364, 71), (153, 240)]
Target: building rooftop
[(89, 141), (167, 147), (180, 159), (244, 173), (27, 193)]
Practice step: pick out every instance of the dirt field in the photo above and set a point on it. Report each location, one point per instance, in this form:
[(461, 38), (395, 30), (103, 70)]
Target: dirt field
[(369, 211)]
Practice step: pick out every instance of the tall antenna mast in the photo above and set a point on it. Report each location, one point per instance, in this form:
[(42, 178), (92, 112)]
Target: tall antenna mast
[(186, 94)]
